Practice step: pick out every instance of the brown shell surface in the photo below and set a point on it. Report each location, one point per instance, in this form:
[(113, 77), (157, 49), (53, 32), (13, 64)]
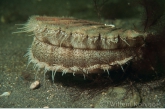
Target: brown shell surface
[(71, 45)]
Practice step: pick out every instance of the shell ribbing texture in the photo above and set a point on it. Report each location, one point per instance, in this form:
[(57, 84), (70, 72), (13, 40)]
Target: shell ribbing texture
[(76, 45), (83, 34)]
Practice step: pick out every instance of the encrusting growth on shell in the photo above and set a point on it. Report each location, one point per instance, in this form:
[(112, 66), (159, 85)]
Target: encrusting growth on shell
[(70, 45)]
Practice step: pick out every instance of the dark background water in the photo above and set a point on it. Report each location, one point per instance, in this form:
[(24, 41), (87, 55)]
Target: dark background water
[(20, 10), (66, 92)]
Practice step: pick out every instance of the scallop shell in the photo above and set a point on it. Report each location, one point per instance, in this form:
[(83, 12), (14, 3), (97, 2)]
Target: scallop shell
[(71, 45)]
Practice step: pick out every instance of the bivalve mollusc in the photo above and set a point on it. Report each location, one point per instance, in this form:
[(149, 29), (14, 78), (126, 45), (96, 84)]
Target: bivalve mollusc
[(70, 45)]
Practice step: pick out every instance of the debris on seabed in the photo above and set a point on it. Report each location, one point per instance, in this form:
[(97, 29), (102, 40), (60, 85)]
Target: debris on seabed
[(110, 25), (35, 85), (5, 94), (92, 105)]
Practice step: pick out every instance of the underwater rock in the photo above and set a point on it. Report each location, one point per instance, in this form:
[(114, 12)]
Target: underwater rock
[(117, 97)]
